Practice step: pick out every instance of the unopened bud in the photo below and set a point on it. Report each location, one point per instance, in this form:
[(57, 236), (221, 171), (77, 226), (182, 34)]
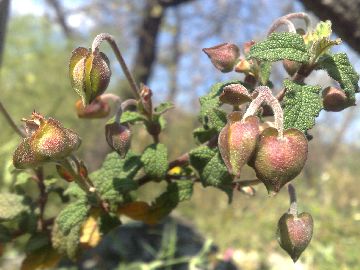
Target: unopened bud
[(224, 56), (247, 46), (334, 100), (96, 109), (118, 137), (294, 233), (235, 94), (146, 99), (49, 142), (291, 66), (243, 66), (237, 141), (90, 73)]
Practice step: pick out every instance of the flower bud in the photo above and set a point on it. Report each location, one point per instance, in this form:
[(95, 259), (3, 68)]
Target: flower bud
[(243, 66), (118, 137), (96, 109), (90, 73), (146, 99), (49, 142), (294, 233), (235, 94), (224, 56), (334, 100), (237, 141), (247, 46), (291, 66)]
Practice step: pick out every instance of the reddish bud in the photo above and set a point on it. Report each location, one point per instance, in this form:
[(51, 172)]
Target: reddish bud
[(291, 66), (279, 160), (235, 94), (49, 142), (118, 137), (146, 99), (334, 100), (248, 45), (89, 73), (237, 141), (294, 233), (96, 109), (224, 56), (64, 173)]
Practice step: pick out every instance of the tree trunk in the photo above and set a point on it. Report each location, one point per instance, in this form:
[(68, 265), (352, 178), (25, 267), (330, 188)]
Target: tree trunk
[(4, 15)]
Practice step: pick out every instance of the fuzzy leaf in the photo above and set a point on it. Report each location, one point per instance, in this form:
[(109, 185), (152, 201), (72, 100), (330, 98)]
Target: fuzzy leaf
[(200, 156), (72, 215), (5, 234), (12, 206), (67, 244), (163, 107), (280, 46), (202, 135), (302, 104), (265, 71), (340, 69), (131, 117), (45, 258), (155, 160), (115, 178)]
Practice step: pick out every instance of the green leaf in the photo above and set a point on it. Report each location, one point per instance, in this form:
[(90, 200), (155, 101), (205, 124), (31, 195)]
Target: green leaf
[(163, 107), (5, 234), (155, 160), (202, 135), (12, 206), (280, 46), (302, 104), (37, 241), (66, 243), (130, 117), (265, 71), (215, 174), (114, 179), (210, 115), (340, 69), (200, 156), (72, 215)]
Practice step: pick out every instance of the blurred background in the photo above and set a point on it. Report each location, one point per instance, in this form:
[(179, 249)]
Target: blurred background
[(161, 41)]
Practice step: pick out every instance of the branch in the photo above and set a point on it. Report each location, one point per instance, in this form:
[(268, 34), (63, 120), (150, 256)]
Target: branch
[(11, 121)]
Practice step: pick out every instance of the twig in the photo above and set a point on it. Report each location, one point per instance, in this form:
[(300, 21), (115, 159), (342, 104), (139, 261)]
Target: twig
[(43, 197), (293, 202), (110, 39), (10, 121)]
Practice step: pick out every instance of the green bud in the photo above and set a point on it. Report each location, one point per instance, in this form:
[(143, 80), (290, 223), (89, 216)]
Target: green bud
[(294, 233), (89, 73)]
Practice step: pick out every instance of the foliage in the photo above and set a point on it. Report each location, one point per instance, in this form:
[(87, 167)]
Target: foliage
[(96, 202)]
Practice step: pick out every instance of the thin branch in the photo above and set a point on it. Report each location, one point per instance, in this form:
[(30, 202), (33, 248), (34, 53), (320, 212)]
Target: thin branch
[(11, 121), (293, 202)]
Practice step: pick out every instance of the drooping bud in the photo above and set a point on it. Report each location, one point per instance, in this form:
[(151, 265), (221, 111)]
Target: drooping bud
[(96, 109), (279, 160), (235, 94), (118, 137), (294, 233), (224, 56), (247, 46), (89, 73), (291, 66), (49, 142), (237, 141), (334, 100), (146, 99)]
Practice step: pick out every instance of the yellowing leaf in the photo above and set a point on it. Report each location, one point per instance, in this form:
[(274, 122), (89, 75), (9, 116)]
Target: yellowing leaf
[(175, 171), (135, 210), (44, 258), (90, 234)]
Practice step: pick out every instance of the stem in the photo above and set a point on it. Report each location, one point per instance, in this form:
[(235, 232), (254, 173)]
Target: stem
[(110, 39), (293, 203), (11, 121), (282, 21), (245, 183), (265, 95), (286, 20), (43, 197)]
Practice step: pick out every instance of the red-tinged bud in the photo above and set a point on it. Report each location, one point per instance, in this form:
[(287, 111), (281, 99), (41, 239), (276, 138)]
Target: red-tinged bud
[(294, 233), (235, 94), (118, 137), (247, 46), (279, 160), (237, 141), (224, 56), (291, 66), (89, 73), (334, 99), (146, 99), (64, 173), (96, 109), (49, 142)]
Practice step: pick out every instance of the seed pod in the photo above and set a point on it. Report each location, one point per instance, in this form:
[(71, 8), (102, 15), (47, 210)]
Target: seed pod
[(90, 73), (279, 160), (118, 137), (223, 56), (294, 233), (235, 94), (334, 100), (237, 141), (49, 142), (96, 109)]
